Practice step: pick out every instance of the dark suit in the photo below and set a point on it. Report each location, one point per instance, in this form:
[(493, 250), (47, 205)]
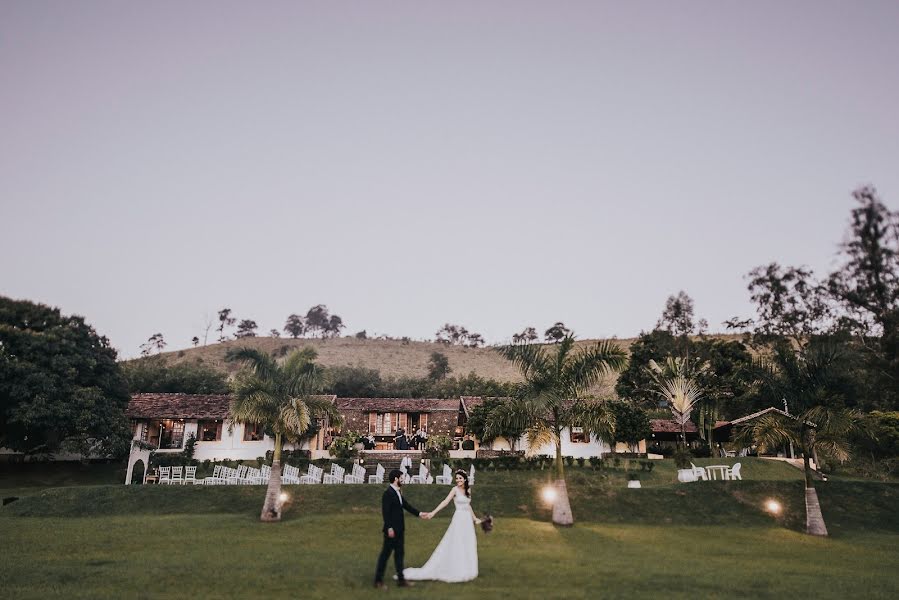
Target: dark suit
[(394, 519)]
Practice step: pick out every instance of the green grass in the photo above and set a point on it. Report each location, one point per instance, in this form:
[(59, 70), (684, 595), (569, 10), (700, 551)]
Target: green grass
[(674, 540)]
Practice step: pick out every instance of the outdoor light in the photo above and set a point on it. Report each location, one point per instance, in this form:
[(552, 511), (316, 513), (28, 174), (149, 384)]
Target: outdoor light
[(283, 497), (549, 495), (773, 507)]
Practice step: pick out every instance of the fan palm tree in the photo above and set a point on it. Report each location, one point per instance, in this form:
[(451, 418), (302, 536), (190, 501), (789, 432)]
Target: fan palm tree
[(280, 398), (806, 378), (551, 399), (679, 387)]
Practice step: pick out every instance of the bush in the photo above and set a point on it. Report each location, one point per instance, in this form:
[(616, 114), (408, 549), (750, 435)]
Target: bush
[(344, 445), (702, 452), (580, 461), (682, 457)]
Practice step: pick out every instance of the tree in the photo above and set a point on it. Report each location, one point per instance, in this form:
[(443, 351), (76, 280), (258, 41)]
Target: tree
[(527, 336), (156, 374), (280, 397), (361, 335), (335, 324), (631, 423), (867, 286), (225, 320), (482, 414), (556, 333), (274, 333), (295, 326), (60, 385), (318, 319), (790, 302), (808, 379), (552, 398), (475, 340), (677, 318), (438, 366), (154, 342), (676, 382), (246, 328), (195, 341), (451, 334)]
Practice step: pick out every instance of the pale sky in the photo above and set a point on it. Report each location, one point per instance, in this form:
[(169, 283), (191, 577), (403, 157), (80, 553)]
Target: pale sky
[(490, 164)]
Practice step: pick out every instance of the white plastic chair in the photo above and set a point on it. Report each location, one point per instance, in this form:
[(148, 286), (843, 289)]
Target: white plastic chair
[(165, 475), (314, 475), (446, 478), (336, 474), (422, 476), (190, 475), (686, 475), (700, 473), (357, 476), (378, 477), (177, 477), (471, 476), (290, 475), (734, 472)]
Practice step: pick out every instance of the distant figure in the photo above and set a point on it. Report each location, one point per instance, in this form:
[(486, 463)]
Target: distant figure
[(468, 443), (368, 442), (400, 442), (421, 438)]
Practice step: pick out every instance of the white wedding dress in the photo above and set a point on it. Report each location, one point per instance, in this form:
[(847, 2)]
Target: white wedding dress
[(456, 557)]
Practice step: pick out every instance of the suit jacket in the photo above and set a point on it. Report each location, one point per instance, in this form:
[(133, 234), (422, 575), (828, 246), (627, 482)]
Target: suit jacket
[(393, 511)]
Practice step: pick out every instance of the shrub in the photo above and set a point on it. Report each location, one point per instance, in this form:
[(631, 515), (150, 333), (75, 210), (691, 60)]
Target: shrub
[(682, 457), (580, 461)]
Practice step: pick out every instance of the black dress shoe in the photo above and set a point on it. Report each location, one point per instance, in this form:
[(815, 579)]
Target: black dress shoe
[(405, 583), (379, 585)]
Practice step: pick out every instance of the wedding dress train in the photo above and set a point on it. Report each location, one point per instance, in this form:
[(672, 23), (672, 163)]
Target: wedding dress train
[(456, 557)]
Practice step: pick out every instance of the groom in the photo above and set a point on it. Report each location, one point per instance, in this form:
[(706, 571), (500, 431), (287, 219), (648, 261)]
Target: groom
[(392, 505)]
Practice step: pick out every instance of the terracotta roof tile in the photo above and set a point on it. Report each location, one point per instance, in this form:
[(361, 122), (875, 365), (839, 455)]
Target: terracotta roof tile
[(399, 404), (671, 426), (181, 406)]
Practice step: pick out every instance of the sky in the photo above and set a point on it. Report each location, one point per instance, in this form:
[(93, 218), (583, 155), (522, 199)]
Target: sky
[(491, 164)]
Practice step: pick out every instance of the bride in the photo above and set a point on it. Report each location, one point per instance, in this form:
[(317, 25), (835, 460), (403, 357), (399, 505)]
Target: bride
[(456, 556)]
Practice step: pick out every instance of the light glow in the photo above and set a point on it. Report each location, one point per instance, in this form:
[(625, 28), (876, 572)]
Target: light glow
[(773, 506), (549, 495), (284, 497)]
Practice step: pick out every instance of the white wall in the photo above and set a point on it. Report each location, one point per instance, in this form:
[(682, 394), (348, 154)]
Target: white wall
[(231, 447), (594, 448)]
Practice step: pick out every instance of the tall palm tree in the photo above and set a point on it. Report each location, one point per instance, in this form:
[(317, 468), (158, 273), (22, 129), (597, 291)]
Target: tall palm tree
[(280, 398), (551, 399), (807, 378), (677, 384)]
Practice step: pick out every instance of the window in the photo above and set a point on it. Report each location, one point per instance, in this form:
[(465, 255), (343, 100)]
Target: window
[(578, 436), (252, 432), (166, 434), (209, 431)]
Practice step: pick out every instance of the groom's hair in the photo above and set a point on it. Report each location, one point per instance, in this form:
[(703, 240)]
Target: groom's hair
[(394, 475)]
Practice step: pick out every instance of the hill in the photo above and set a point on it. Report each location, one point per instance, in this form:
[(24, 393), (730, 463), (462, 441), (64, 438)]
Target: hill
[(393, 358)]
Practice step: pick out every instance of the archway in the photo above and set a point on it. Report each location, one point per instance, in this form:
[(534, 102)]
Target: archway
[(137, 472)]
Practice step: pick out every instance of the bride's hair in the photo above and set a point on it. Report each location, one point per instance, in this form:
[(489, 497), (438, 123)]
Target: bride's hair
[(465, 477)]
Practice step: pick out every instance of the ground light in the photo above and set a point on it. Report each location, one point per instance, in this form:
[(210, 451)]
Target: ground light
[(284, 497), (549, 494), (773, 506)]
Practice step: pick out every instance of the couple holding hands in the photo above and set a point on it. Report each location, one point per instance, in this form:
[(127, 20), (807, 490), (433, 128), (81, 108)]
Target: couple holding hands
[(456, 557)]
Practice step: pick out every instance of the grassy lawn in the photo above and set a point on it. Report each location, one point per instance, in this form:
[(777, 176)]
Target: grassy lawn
[(695, 540)]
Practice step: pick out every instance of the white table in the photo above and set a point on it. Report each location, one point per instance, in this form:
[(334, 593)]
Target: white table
[(714, 470)]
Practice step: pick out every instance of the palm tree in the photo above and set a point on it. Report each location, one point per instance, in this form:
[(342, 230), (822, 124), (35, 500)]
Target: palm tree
[(551, 399), (280, 398), (679, 387), (807, 378)]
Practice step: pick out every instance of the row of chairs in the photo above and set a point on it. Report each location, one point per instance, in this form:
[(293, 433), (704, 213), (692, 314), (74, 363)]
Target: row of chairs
[(246, 475)]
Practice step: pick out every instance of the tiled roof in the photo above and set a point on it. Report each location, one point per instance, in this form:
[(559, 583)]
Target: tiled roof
[(178, 406), (181, 406), (671, 426), (770, 409), (398, 404), (469, 402)]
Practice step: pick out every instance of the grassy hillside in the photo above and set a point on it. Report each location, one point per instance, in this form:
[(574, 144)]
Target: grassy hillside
[(393, 358)]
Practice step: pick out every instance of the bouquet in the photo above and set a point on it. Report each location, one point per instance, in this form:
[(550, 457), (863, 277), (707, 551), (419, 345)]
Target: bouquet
[(487, 523)]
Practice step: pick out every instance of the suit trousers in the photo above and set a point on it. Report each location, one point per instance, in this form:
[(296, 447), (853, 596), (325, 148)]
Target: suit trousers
[(395, 545)]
